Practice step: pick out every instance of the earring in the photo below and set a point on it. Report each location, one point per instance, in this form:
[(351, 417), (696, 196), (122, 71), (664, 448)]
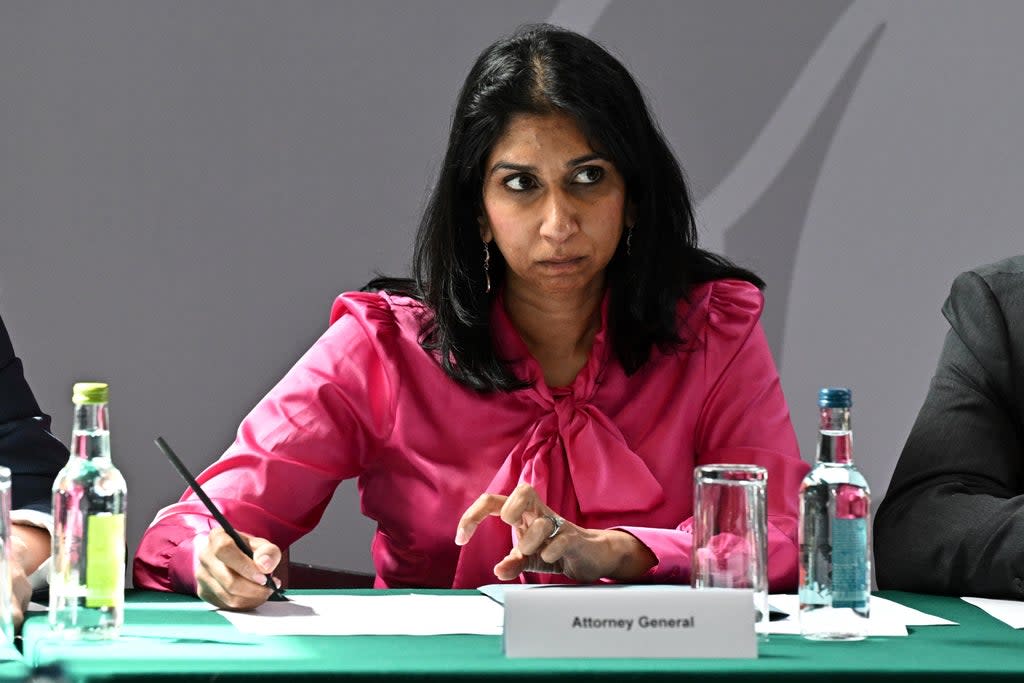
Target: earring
[(487, 267), (629, 240)]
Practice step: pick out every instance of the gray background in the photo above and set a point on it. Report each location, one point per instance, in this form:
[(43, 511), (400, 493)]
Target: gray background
[(185, 186)]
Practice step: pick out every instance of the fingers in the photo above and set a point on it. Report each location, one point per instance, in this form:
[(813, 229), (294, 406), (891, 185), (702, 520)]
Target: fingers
[(519, 510), (515, 563), (483, 507), (554, 550), (537, 533), (533, 521), (523, 506), (538, 547), (227, 578), (510, 566), (265, 554), (22, 591), (547, 555)]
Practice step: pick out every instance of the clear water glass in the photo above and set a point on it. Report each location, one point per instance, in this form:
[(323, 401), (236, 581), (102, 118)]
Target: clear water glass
[(730, 532), (6, 557)]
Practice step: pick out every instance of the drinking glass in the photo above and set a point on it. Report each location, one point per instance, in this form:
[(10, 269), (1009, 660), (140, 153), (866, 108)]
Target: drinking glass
[(6, 557), (730, 532)]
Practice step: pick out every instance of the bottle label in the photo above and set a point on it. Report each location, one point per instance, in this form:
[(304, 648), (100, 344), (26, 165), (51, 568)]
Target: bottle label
[(849, 563), (104, 560)]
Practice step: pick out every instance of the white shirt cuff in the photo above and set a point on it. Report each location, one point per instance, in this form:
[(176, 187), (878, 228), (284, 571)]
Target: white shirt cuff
[(43, 520)]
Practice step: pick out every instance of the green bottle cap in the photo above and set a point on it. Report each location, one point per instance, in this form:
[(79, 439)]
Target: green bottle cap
[(90, 393)]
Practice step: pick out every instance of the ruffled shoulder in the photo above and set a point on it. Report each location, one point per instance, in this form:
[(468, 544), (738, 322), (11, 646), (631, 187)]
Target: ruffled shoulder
[(372, 342), (380, 314), (363, 305), (721, 310)]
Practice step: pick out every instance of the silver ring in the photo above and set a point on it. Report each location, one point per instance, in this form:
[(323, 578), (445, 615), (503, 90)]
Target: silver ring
[(557, 523)]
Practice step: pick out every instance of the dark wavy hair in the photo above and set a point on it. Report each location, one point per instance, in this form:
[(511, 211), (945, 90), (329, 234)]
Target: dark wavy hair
[(542, 69)]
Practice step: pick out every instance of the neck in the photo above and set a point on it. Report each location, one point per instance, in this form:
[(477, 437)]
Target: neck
[(558, 330)]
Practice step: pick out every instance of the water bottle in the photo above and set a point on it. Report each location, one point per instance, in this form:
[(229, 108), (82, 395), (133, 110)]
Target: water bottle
[(87, 570), (835, 546)]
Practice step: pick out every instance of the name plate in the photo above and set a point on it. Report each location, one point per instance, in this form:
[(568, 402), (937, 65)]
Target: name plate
[(611, 622)]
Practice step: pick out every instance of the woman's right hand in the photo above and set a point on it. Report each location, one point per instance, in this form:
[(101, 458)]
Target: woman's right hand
[(227, 578)]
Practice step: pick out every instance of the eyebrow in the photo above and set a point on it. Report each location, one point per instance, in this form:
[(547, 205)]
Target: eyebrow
[(525, 168)]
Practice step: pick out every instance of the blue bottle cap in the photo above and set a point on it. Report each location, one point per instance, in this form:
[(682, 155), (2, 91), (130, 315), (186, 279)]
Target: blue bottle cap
[(835, 397)]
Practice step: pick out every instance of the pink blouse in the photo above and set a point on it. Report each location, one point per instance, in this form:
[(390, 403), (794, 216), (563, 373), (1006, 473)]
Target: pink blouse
[(609, 451)]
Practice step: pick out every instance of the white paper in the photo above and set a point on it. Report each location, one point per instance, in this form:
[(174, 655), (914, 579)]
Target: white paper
[(497, 591), (887, 618), (347, 615), (1010, 612), (887, 609), (189, 606)]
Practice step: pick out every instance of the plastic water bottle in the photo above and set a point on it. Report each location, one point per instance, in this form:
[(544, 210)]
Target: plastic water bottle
[(835, 545), (87, 570)]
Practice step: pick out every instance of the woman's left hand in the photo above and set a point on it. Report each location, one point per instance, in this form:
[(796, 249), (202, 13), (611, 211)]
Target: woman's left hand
[(549, 544)]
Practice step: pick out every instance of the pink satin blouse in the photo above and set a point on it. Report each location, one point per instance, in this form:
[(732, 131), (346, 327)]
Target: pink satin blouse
[(609, 451)]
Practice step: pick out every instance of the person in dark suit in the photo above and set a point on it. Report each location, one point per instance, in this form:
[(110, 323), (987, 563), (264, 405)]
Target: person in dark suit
[(34, 457), (953, 519)]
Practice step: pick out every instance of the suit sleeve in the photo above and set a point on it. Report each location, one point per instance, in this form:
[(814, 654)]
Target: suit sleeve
[(27, 447), (953, 519)]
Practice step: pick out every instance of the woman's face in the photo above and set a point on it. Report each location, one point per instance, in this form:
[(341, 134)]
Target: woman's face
[(553, 205)]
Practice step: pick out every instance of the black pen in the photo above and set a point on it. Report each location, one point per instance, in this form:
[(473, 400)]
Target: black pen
[(221, 519)]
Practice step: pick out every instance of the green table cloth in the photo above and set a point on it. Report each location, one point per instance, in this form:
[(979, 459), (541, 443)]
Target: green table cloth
[(171, 637), (12, 668)]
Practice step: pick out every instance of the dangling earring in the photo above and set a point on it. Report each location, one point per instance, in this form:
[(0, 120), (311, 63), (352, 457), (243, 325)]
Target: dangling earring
[(487, 267), (629, 240)]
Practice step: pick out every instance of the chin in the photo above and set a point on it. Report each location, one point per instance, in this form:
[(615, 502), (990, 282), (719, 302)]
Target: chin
[(574, 284)]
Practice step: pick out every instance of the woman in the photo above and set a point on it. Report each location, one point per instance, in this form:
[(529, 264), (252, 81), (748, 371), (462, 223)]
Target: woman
[(530, 406)]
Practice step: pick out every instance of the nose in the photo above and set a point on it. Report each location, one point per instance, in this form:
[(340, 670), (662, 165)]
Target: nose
[(561, 217)]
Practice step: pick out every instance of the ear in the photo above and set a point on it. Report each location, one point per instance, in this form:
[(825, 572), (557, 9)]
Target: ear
[(485, 228)]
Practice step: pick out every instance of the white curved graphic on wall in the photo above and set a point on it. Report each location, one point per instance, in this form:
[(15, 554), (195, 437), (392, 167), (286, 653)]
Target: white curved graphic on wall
[(781, 135), (772, 182), (578, 15)]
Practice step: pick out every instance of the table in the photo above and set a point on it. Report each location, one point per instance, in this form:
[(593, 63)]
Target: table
[(166, 638), (12, 668)]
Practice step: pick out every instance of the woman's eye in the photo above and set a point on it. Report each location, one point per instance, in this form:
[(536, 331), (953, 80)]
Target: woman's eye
[(589, 175), (519, 183)]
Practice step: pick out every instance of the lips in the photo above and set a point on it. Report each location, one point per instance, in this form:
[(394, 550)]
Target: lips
[(564, 261)]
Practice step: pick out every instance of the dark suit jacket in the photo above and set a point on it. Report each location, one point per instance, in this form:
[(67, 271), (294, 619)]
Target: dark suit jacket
[(953, 518), (34, 455)]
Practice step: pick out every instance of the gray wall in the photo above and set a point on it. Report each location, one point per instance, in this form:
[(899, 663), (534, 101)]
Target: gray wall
[(185, 186)]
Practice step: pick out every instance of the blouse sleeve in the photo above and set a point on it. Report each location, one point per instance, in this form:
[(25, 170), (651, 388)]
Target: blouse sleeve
[(313, 430), (744, 420)]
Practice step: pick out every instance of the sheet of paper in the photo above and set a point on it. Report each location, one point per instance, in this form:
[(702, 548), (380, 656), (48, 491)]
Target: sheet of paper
[(190, 606), (887, 609), (497, 591), (876, 627), (887, 618), (1010, 612), (347, 615)]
